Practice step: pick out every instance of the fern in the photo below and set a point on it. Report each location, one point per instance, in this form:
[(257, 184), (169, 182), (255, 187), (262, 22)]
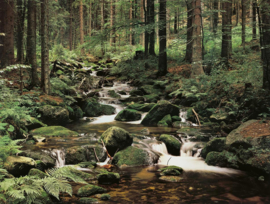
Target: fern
[(55, 186)]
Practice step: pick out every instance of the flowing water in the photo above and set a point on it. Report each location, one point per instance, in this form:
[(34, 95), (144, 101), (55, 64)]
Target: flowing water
[(199, 182)]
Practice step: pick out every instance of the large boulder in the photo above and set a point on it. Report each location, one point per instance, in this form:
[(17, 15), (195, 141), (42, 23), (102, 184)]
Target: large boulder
[(33, 124), (54, 115), (116, 138), (161, 109), (222, 159), (53, 131), (108, 178), (128, 115), (133, 156), (173, 145), (165, 121), (19, 166), (92, 108), (141, 107), (76, 113), (217, 145)]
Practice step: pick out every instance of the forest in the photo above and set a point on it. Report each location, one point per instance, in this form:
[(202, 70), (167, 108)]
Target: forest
[(134, 101)]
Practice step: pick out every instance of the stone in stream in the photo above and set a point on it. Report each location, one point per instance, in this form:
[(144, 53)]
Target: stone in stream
[(88, 200), (108, 178), (54, 115), (141, 107), (171, 171), (128, 115), (173, 145), (151, 98), (133, 156), (54, 131), (217, 145), (116, 138), (92, 108), (161, 109), (89, 190), (165, 121)]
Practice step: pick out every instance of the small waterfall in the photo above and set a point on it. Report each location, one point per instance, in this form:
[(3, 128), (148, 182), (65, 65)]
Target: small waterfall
[(183, 115), (160, 147), (59, 156)]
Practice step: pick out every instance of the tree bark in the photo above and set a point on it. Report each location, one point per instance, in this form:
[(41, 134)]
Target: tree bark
[(152, 31), (45, 71), (2, 31), (162, 58), (70, 25), (131, 35), (20, 30), (112, 38), (146, 34), (189, 45), (31, 40), (142, 20), (215, 16), (226, 32), (81, 25), (197, 53), (254, 23), (244, 13)]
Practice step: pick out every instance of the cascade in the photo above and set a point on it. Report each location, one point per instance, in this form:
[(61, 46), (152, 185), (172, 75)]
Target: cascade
[(59, 156), (183, 115)]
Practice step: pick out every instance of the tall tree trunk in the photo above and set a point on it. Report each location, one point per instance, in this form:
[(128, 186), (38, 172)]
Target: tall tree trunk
[(254, 23), (142, 20), (70, 25), (146, 34), (102, 13), (266, 42), (31, 40), (226, 32), (20, 30), (237, 13), (90, 18), (189, 45), (131, 35), (197, 53), (9, 33), (2, 31), (152, 31), (244, 13), (175, 22), (81, 25), (112, 38), (215, 16), (45, 76), (162, 57)]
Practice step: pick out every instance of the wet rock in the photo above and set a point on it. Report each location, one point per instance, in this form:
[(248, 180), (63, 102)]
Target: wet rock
[(54, 131), (171, 178), (60, 87), (19, 166), (54, 115), (85, 176), (133, 156), (98, 149), (116, 138), (75, 155), (76, 114), (94, 109), (132, 99), (108, 178), (40, 157), (173, 145), (37, 173), (151, 98), (171, 171), (103, 72), (222, 159), (136, 93), (105, 197), (113, 94), (128, 115), (165, 121), (217, 145), (141, 107), (176, 118), (33, 124), (161, 109), (122, 92), (89, 190), (88, 200)]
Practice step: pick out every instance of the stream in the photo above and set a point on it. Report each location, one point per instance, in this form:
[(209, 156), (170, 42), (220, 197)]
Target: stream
[(199, 182)]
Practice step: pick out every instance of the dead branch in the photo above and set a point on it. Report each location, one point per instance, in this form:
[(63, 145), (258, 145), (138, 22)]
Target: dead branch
[(196, 116)]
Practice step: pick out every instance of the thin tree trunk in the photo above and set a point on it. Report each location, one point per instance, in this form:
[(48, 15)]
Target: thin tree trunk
[(162, 58), (31, 40), (20, 30), (237, 13), (45, 78), (90, 19), (112, 39), (131, 37), (81, 25), (215, 16), (2, 31), (189, 45), (146, 34), (152, 32), (244, 13), (142, 20), (197, 53), (175, 23), (70, 25), (254, 23)]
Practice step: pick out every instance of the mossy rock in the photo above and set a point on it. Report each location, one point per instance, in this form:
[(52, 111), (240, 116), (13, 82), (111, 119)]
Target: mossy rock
[(176, 118), (37, 173), (172, 179), (75, 155), (141, 107), (105, 197), (88, 200), (108, 178), (132, 156), (134, 99), (54, 115), (136, 93), (60, 87), (151, 98), (222, 159), (116, 138), (33, 124), (92, 108), (19, 166), (165, 121), (217, 145), (87, 164), (128, 115), (113, 94), (161, 109), (173, 145), (54, 131), (89, 190), (99, 151), (171, 171), (77, 113), (149, 89), (83, 175), (44, 161)]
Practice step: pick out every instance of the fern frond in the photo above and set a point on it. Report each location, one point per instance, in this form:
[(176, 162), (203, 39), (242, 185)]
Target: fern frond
[(55, 186)]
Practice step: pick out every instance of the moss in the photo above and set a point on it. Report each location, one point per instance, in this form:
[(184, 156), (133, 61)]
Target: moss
[(176, 118), (172, 144), (222, 159), (54, 115), (2, 198), (131, 156), (89, 190), (87, 164), (18, 165), (116, 138), (75, 155), (108, 178), (37, 173), (165, 121), (113, 94), (162, 124), (171, 178), (141, 107), (52, 131), (88, 200), (94, 109), (77, 113), (136, 93), (161, 109), (171, 170), (128, 115), (83, 175), (105, 197), (217, 145), (151, 98)]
